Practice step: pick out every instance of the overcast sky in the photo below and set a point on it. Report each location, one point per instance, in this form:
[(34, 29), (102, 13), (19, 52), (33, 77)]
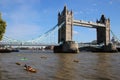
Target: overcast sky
[(28, 19)]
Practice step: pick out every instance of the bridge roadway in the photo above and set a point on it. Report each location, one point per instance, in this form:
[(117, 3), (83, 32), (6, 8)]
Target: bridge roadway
[(40, 44), (27, 44), (88, 24)]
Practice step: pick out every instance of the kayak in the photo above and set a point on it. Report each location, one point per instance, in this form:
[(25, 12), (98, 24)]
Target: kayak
[(30, 69)]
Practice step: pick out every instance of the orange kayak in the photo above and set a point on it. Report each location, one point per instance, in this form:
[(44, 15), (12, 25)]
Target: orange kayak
[(31, 70)]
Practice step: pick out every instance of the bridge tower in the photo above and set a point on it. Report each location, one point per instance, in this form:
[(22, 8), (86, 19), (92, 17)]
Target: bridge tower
[(103, 33), (65, 32)]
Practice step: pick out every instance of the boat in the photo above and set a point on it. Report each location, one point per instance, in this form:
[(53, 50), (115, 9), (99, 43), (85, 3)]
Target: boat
[(15, 50), (30, 69), (76, 61), (5, 50)]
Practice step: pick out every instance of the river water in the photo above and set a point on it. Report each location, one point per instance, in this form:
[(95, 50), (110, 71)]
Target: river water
[(59, 66)]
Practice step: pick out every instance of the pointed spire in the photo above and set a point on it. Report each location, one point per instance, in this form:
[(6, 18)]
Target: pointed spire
[(108, 19), (58, 13), (97, 21), (71, 12), (102, 20), (65, 8), (103, 16)]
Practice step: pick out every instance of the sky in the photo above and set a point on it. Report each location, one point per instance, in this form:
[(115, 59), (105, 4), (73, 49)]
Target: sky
[(28, 19)]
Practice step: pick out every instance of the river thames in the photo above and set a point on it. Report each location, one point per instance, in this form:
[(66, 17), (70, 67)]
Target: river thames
[(60, 66)]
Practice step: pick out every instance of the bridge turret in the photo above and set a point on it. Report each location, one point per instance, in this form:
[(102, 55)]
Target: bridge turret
[(58, 14), (102, 19), (65, 9), (103, 33), (65, 32)]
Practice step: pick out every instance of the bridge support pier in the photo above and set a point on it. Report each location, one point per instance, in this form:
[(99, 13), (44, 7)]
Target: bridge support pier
[(103, 35), (67, 47), (109, 48)]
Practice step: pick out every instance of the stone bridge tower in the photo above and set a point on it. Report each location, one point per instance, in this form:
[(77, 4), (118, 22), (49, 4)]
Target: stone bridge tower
[(65, 32), (103, 33)]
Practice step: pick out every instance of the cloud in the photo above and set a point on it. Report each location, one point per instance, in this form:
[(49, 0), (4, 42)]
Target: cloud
[(22, 31), (22, 19), (25, 21), (75, 32), (86, 11), (76, 13), (91, 29), (94, 4), (20, 2), (81, 12), (111, 2)]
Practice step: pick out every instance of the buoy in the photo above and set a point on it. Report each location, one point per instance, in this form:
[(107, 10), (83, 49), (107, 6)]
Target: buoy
[(43, 57), (23, 59), (76, 61), (18, 63)]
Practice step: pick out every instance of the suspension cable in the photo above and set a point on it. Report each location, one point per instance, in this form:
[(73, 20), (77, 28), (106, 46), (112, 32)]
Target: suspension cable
[(114, 35)]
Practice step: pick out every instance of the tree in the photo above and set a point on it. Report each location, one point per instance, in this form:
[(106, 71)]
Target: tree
[(2, 27)]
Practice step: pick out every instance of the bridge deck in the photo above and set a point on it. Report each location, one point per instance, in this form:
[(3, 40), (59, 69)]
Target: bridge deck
[(88, 24)]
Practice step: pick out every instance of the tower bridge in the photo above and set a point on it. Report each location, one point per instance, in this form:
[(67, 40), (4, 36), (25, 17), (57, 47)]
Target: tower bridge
[(65, 33)]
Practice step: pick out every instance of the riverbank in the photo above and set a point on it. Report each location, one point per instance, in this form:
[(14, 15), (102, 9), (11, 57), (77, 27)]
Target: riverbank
[(7, 50)]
